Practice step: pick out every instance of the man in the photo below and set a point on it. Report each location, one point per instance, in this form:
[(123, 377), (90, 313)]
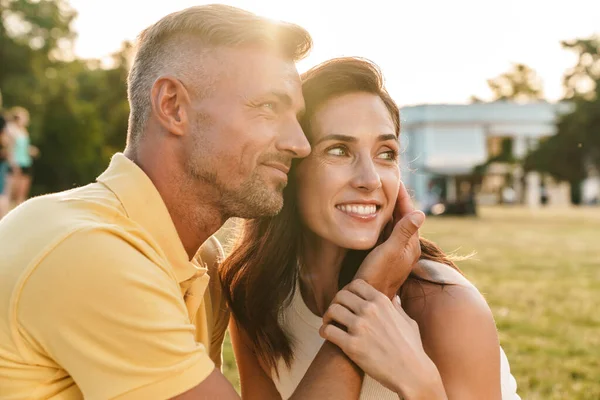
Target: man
[(104, 293)]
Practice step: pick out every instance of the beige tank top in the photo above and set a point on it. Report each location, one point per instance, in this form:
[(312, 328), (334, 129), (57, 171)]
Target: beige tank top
[(304, 327)]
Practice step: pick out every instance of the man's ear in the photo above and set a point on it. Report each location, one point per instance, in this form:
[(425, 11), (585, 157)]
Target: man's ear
[(169, 104)]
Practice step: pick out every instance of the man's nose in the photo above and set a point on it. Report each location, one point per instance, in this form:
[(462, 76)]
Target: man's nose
[(294, 141)]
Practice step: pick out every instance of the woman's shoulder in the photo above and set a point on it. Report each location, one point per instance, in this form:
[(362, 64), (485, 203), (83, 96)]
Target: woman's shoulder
[(456, 326), (450, 296)]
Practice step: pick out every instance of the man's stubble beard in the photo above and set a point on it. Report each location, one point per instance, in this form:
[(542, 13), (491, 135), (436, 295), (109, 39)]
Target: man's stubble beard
[(254, 198)]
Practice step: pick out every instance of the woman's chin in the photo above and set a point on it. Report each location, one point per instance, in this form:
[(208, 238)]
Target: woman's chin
[(360, 244)]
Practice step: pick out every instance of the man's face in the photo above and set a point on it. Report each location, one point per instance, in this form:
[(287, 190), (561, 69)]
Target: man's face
[(244, 131)]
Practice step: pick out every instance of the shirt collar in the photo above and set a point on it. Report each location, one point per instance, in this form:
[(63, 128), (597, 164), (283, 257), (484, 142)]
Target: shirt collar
[(144, 205)]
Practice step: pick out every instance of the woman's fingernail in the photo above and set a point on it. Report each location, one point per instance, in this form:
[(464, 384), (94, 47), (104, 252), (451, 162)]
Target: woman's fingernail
[(397, 300)]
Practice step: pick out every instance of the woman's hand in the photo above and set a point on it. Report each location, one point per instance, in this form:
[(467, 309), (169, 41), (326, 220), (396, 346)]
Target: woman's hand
[(382, 340), (34, 151)]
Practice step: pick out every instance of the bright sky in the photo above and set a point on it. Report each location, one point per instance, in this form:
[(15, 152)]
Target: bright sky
[(430, 51)]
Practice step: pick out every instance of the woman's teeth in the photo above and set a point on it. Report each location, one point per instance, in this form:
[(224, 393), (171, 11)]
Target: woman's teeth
[(367, 209)]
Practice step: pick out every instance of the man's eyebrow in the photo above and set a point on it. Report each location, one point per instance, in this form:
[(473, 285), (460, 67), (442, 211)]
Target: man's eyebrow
[(282, 97)]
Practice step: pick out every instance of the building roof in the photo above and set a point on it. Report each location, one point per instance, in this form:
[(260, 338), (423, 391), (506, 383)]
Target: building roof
[(541, 112)]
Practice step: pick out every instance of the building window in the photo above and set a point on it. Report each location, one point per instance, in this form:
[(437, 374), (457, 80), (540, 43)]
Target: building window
[(500, 148)]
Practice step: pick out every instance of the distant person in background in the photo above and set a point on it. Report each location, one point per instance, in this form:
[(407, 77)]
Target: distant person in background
[(3, 165), (21, 155), (433, 197), (509, 196), (543, 194)]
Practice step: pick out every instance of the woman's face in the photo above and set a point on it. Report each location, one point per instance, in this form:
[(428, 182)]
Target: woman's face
[(22, 120), (347, 186)]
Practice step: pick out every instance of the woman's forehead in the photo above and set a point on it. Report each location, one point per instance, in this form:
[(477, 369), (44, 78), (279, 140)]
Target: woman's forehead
[(355, 114)]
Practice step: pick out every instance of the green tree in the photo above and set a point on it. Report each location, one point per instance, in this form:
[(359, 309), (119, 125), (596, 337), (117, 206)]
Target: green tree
[(85, 122), (33, 36), (582, 79), (575, 149), (520, 83), (78, 109)]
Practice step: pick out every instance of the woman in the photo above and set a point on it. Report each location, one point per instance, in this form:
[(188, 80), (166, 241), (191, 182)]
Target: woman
[(283, 276), (3, 165), (21, 156)]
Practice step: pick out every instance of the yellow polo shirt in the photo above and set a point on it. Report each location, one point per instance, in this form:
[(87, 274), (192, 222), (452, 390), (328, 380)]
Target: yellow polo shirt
[(98, 298)]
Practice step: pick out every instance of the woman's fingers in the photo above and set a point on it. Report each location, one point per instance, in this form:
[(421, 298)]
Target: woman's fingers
[(404, 205), (364, 290), (335, 335), (348, 299), (398, 306), (340, 314)]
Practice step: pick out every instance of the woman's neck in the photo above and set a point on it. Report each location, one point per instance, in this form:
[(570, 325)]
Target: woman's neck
[(321, 263)]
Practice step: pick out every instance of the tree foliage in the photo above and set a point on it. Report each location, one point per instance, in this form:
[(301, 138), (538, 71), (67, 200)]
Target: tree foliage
[(575, 150), (78, 109), (520, 84)]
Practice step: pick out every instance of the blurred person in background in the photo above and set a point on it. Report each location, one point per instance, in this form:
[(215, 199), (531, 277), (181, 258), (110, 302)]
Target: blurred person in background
[(21, 155), (4, 151)]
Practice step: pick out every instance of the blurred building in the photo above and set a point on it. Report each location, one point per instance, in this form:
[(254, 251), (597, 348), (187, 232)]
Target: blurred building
[(444, 144), (590, 188)]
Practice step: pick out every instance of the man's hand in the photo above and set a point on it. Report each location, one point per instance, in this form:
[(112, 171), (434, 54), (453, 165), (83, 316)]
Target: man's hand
[(388, 265)]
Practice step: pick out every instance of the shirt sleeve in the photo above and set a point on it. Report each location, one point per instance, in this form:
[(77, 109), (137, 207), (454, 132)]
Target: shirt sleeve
[(113, 318)]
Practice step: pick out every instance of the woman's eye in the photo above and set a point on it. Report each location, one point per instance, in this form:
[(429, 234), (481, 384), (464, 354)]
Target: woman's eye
[(337, 151), (269, 105), (390, 155)]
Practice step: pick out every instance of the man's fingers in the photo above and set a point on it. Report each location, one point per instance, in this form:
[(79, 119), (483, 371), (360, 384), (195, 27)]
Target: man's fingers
[(404, 204), (403, 207), (407, 227), (403, 243), (385, 233), (412, 254), (415, 247)]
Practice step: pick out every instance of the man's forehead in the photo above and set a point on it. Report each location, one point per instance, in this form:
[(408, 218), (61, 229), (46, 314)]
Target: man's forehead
[(290, 80), (255, 71), (256, 61)]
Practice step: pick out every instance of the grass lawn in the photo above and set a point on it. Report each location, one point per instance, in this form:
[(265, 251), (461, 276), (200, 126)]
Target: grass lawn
[(540, 272)]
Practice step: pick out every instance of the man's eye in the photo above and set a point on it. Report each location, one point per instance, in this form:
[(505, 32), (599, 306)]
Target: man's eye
[(268, 105)]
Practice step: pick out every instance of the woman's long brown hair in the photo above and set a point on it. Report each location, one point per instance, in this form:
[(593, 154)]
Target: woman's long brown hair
[(259, 277)]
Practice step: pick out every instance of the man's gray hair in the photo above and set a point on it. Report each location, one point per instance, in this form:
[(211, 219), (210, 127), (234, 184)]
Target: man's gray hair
[(208, 26)]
